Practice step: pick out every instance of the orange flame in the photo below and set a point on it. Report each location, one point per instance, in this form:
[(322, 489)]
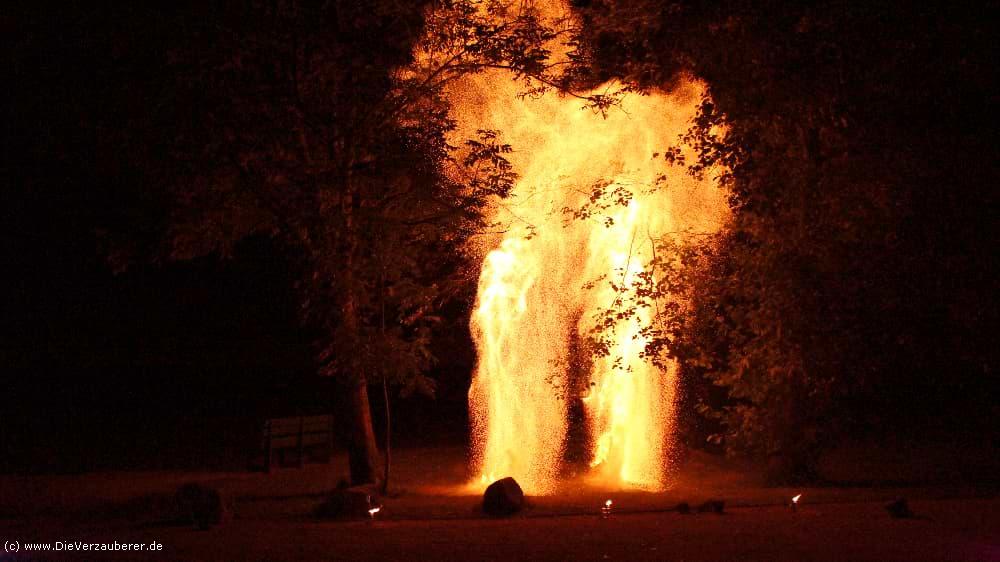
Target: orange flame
[(537, 287)]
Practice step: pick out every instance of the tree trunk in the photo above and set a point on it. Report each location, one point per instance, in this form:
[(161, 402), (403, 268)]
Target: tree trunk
[(362, 452), (388, 438)]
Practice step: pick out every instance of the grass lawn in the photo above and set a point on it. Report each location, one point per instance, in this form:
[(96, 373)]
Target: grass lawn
[(433, 516)]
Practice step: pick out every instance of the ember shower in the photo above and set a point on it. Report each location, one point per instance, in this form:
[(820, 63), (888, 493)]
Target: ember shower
[(545, 278)]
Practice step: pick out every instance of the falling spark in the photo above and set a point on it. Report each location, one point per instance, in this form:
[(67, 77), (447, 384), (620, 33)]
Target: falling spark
[(547, 277)]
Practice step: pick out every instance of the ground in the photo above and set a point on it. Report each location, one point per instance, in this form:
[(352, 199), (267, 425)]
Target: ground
[(433, 517)]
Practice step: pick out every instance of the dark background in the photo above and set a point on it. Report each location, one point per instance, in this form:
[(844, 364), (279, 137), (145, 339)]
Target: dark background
[(159, 363), (165, 366), (175, 364)]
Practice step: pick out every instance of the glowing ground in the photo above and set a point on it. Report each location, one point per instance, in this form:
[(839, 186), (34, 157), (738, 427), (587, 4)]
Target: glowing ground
[(427, 521)]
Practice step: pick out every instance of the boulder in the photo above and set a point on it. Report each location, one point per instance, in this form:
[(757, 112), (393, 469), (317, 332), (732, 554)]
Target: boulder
[(713, 506), (348, 503), (503, 497), (899, 509), (201, 506)]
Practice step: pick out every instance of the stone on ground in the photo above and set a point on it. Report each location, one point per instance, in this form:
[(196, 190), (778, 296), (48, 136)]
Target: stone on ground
[(712, 506), (348, 503), (899, 509), (202, 506), (503, 497)]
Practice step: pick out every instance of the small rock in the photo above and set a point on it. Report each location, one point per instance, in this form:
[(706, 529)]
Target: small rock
[(348, 503), (201, 505), (899, 509), (503, 497), (712, 506)]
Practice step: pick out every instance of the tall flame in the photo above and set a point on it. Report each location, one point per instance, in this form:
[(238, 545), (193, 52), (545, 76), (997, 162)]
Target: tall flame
[(537, 291)]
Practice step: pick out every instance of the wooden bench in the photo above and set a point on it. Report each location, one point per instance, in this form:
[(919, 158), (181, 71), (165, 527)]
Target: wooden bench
[(299, 433)]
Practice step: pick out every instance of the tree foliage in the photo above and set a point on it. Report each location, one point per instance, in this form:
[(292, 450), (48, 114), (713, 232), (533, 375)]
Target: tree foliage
[(326, 127), (858, 175)]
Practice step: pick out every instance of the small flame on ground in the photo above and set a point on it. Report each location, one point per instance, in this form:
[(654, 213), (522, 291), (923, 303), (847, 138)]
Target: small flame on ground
[(796, 498), (606, 510), (373, 511)]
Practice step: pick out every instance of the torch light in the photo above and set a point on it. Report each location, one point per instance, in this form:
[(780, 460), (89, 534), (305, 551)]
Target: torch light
[(795, 502), (373, 509)]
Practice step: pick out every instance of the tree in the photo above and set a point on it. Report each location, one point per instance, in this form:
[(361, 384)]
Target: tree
[(847, 133), (317, 126)]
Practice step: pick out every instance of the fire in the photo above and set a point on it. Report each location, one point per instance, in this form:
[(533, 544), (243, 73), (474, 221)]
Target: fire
[(796, 498), (548, 275)]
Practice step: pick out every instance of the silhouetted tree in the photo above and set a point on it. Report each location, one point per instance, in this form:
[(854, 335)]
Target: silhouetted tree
[(317, 125), (858, 165)]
